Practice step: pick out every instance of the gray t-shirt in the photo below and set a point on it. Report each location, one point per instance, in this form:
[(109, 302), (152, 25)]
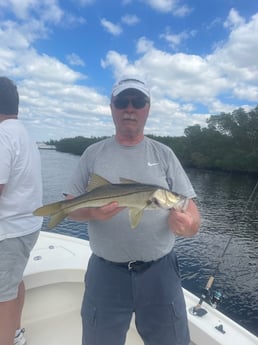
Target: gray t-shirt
[(147, 162)]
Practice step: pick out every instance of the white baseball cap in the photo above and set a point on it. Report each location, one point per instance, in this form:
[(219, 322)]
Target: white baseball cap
[(131, 82)]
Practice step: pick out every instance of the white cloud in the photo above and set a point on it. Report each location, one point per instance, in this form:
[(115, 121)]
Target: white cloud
[(75, 60), (188, 77), (162, 5), (234, 19), (62, 108), (175, 40), (130, 19), (21, 36), (114, 29), (144, 45), (119, 64), (167, 6), (230, 71), (48, 10), (182, 11), (236, 58), (54, 98)]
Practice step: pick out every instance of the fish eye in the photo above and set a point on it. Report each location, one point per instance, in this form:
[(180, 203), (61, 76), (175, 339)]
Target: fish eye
[(156, 202)]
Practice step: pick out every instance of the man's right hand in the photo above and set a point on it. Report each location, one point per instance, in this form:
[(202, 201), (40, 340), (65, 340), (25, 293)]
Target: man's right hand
[(95, 213)]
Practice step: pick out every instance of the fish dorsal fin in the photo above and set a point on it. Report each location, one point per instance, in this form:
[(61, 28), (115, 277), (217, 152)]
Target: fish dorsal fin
[(97, 181), (127, 181)]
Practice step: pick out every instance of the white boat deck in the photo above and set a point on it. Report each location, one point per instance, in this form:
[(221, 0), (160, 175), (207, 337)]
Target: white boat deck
[(43, 333), (54, 290), (65, 328)]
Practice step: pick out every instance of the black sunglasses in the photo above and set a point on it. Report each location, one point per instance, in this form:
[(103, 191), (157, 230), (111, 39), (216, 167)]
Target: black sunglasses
[(137, 102)]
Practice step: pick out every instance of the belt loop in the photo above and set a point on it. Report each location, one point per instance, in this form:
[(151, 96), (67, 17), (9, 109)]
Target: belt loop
[(130, 263)]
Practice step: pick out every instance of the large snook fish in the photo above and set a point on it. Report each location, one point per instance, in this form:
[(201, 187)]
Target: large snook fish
[(136, 196)]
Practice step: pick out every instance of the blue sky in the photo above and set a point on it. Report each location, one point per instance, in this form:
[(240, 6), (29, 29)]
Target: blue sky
[(200, 58)]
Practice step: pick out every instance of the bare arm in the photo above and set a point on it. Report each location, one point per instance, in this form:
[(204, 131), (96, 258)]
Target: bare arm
[(186, 223)]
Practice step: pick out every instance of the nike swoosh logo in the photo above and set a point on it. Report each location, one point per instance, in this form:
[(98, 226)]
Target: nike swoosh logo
[(152, 164)]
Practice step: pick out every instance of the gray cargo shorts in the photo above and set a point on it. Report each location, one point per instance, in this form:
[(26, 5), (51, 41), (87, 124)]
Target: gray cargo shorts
[(154, 294), (14, 255)]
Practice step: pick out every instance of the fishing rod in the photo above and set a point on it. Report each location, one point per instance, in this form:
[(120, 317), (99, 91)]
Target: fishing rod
[(216, 297)]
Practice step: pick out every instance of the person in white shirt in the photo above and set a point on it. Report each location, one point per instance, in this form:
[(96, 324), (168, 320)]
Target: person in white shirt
[(20, 194)]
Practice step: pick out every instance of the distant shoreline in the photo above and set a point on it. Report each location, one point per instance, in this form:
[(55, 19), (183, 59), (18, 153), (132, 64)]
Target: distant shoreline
[(43, 146)]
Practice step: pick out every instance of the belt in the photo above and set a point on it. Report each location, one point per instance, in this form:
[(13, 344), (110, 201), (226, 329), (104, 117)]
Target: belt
[(134, 265)]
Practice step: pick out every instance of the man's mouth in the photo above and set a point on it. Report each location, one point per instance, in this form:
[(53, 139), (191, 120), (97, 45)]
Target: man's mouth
[(128, 117)]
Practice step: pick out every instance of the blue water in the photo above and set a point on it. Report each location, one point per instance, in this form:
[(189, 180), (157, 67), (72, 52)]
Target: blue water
[(226, 216)]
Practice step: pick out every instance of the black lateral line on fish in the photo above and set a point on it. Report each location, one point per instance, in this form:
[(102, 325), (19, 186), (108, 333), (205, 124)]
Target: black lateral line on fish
[(92, 199)]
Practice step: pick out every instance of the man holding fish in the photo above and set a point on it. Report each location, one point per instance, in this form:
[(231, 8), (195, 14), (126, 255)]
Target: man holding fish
[(133, 268)]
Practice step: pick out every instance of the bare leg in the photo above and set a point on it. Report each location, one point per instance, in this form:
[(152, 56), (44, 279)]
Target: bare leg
[(10, 317), (20, 303)]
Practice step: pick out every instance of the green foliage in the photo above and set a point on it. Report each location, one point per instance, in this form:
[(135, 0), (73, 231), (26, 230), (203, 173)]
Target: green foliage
[(75, 145), (241, 126), (229, 142)]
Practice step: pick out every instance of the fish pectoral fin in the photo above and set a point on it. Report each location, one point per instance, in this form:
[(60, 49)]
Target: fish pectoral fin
[(96, 181), (55, 219), (135, 215)]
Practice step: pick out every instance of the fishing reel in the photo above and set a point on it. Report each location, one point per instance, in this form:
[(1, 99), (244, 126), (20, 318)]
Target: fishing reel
[(212, 298), (215, 298)]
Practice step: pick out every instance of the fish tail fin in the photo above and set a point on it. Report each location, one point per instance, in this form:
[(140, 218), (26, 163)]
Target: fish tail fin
[(56, 218), (48, 210)]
